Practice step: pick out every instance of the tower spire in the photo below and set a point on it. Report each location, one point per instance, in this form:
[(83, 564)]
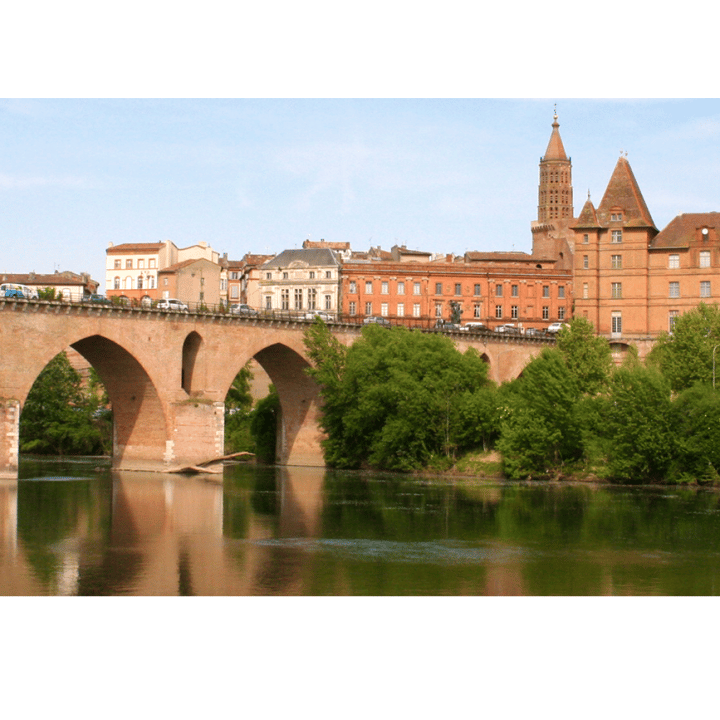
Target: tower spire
[(555, 198)]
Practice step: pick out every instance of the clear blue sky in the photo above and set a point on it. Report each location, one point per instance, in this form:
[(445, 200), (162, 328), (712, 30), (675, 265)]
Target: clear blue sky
[(263, 175)]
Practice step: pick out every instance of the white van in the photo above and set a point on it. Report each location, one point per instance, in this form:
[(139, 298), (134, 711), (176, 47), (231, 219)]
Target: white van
[(18, 291)]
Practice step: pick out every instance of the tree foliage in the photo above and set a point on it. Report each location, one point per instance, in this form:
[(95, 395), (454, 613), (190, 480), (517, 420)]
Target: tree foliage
[(685, 357), (238, 405), (392, 400), (62, 416)]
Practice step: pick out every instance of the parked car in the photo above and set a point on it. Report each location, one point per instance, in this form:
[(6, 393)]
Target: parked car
[(374, 319), (535, 332), (242, 309), (475, 327), (325, 317), (556, 327), (96, 299), (172, 304), (508, 329)]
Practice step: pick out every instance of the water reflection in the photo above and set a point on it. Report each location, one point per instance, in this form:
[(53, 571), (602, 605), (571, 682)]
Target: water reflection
[(76, 529)]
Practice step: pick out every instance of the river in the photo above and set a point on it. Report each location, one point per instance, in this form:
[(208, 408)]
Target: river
[(78, 528)]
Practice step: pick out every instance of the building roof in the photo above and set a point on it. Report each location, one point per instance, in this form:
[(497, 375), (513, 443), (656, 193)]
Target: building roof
[(315, 257), (316, 244), (185, 263), (623, 192), (588, 216), (555, 149), (135, 247), (503, 257), (58, 278), (682, 230)]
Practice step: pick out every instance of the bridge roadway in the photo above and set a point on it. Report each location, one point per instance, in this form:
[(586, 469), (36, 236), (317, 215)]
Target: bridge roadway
[(167, 374)]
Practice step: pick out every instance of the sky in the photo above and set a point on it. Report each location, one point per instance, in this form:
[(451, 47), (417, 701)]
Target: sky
[(263, 175)]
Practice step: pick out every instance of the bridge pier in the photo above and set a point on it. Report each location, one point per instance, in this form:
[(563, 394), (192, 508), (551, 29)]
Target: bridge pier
[(9, 438)]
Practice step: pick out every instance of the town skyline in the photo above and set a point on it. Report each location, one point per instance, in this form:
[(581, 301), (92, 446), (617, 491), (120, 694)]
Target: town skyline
[(262, 176)]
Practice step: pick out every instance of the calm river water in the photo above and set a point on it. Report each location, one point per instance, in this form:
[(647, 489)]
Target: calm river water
[(74, 528)]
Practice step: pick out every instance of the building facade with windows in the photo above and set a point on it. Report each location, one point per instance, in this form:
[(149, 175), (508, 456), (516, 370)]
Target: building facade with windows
[(67, 285), (300, 281)]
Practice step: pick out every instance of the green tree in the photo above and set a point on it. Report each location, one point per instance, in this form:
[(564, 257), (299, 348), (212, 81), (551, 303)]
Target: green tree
[(636, 427), (58, 417), (685, 357), (263, 426), (238, 404), (539, 431), (391, 399), (587, 357)]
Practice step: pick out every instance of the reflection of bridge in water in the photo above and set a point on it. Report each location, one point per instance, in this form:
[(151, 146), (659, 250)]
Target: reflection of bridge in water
[(167, 375)]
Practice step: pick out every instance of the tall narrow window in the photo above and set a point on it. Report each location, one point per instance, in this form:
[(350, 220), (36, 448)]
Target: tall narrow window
[(616, 323), (384, 288), (352, 307), (476, 290), (674, 291), (514, 290), (616, 290), (704, 258), (401, 309), (616, 262), (438, 288), (368, 308), (586, 262), (498, 311), (498, 291), (705, 288), (514, 312), (368, 287), (673, 261), (672, 317), (401, 288), (586, 291), (416, 310)]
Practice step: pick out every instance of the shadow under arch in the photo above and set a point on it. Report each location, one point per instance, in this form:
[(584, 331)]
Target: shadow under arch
[(192, 380), (299, 435), (139, 426)]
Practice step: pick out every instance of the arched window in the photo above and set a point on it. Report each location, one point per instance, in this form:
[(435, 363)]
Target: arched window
[(140, 282), (116, 283)]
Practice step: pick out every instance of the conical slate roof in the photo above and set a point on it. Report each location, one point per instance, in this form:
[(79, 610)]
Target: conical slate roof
[(623, 192), (588, 216)]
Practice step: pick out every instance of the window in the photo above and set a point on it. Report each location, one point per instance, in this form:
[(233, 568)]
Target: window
[(514, 291), (704, 258), (234, 292), (586, 291), (118, 264), (561, 291), (498, 291), (151, 263), (384, 288), (561, 313), (401, 288), (476, 311), (141, 264), (368, 308), (384, 309), (128, 264), (673, 262), (546, 291), (298, 298), (328, 302), (416, 288), (140, 282), (268, 276), (586, 262), (285, 300), (616, 323), (545, 312), (586, 238), (311, 274), (152, 282), (498, 311), (438, 288), (353, 287), (438, 309), (116, 283), (285, 276), (672, 318), (616, 262), (416, 310), (704, 288), (328, 274), (128, 283), (616, 236), (616, 216), (401, 310), (458, 289), (514, 312), (312, 298), (674, 289), (368, 287), (476, 289), (268, 302), (616, 290), (352, 308)]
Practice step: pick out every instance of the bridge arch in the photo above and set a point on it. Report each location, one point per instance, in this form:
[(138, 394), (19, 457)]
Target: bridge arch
[(192, 376)]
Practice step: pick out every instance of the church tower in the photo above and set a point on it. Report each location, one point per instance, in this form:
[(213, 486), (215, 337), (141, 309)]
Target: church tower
[(555, 194), (552, 237)]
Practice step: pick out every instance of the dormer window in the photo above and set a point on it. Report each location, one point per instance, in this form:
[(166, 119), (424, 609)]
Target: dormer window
[(616, 216)]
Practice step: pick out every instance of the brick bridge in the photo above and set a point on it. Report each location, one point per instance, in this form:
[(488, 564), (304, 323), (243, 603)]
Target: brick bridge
[(167, 375)]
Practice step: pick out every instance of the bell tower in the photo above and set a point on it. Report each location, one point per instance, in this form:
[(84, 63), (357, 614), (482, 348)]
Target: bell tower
[(551, 236)]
